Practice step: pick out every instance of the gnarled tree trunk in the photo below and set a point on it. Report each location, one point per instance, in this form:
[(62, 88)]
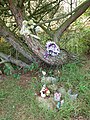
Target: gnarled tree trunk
[(33, 44)]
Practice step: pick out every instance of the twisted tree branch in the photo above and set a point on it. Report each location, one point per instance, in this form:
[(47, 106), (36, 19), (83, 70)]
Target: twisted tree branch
[(79, 11), (7, 58)]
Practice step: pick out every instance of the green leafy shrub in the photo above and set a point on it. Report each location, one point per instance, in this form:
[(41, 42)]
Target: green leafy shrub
[(7, 70), (77, 37), (33, 66)]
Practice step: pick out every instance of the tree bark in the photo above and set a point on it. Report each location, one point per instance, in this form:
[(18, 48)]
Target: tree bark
[(9, 37), (34, 44), (78, 12), (12, 60)]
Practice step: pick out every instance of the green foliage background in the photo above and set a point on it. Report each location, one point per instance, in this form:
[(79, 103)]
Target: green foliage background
[(77, 38)]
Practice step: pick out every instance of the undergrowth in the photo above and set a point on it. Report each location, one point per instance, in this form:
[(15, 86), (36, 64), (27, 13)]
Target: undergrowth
[(18, 102)]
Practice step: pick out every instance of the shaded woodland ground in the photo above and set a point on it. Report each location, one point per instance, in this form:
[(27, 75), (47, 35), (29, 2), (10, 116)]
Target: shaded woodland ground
[(17, 99)]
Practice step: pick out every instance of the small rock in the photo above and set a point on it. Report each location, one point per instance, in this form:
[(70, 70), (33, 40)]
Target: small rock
[(72, 96), (62, 91), (46, 103), (54, 80), (44, 80), (49, 80), (53, 87)]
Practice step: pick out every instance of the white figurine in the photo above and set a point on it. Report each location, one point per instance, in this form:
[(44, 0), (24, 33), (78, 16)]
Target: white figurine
[(72, 96), (57, 96), (43, 91), (25, 30)]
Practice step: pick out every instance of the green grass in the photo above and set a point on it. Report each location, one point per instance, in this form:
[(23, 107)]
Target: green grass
[(18, 102)]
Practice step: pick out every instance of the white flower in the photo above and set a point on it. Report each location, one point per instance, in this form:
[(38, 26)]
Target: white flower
[(31, 22), (38, 29), (24, 22), (44, 73)]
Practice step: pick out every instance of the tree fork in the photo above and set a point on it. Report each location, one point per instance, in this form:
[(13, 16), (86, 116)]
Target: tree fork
[(34, 44), (78, 12)]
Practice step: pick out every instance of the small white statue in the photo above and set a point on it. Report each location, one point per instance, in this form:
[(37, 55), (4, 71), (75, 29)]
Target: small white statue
[(25, 29), (72, 96), (44, 91), (26, 26), (57, 96)]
